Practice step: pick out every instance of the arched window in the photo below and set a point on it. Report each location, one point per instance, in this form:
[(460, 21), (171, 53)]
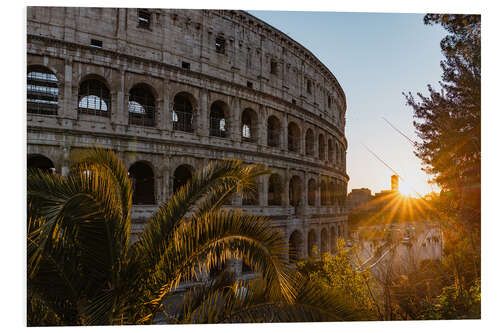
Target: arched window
[(331, 151), (309, 142), (143, 184), (311, 192), (36, 161), (273, 132), (42, 91), (324, 193), (333, 240), (295, 246), (311, 243), (338, 154), (182, 175), (182, 115), (94, 98), (332, 191), (219, 125), (293, 137), (274, 190), (295, 191), (324, 240), (141, 106), (249, 125), (321, 147)]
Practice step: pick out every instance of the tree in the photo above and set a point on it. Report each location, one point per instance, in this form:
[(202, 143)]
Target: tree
[(448, 122), (340, 274), (83, 269)]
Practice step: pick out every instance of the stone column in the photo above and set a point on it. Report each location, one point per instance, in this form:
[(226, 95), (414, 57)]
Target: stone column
[(235, 120), (119, 101), (284, 133), (68, 107), (264, 188), (202, 116), (165, 118)]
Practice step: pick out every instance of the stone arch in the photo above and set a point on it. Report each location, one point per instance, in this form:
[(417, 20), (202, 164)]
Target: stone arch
[(143, 183), (94, 96), (311, 242), (273, 131), (324, 192), (274, 190), (295, 191), (333, 239), (142, 105), (309, 142), (311, 192), (324, 240), (321, 147), (331, 151), (182, 174), (42, 90), (39, 161), (183, 112), (293, 137), (295, 244), (332, 192), (219, 119), (249, 125)]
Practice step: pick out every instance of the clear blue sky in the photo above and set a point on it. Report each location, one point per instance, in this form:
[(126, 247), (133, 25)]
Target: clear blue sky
[(375, 57)]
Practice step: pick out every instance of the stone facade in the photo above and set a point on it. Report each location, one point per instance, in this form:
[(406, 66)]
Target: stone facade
[(98, 59)]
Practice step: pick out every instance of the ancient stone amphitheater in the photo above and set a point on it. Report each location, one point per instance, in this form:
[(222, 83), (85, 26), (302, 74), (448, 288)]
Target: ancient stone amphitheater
[(171, 90)]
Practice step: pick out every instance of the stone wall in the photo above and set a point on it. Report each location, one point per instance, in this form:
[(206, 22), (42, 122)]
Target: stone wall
[(260, 69)]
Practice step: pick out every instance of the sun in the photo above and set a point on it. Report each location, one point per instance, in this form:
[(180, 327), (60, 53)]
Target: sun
[(405, 189)]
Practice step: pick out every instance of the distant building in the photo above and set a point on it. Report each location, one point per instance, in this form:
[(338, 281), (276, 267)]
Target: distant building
[(395, 183), (358, 198)]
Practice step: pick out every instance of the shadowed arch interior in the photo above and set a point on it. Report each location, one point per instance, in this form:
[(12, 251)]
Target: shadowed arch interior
[(295, 244), (141, 105), (311, 243), (41, 162), (182, 114), (182, 175), (273, 131), (143, 185)]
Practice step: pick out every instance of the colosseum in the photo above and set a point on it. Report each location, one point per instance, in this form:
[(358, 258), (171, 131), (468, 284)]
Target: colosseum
[(172, 90)]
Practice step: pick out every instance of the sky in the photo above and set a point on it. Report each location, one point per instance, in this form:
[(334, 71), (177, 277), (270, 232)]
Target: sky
[(375, 58)]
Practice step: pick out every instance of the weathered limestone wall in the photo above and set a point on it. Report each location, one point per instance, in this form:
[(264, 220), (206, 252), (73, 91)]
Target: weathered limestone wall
[(59, 39)]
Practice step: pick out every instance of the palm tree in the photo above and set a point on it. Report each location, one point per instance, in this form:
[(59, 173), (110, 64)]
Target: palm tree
[(83, 269)]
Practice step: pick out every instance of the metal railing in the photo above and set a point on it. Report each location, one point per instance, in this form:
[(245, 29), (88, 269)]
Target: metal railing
[(219, 127), (182, 121), (293, 143), (141, 115), (273, 138)]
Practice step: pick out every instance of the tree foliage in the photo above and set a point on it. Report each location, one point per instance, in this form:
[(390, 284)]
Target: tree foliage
[(448, 121)]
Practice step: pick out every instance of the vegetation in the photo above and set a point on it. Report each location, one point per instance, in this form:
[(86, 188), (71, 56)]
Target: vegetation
[(83, 269)]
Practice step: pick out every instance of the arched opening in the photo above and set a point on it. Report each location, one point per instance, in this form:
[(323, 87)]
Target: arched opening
[(182, 175), (42, 91), (182, 115), (274, 190), (295, 246), (249, 125), (293, 137), (324, 240), (331, 151), (311, 192), (309, 142), (324, 193), (141, 106), (332, 192), (219, 125), (295, 191), (94, 97), (311, 243), (321, 147), (333, 240), (41, 162), (143, 184), (273, 132), (338, 154)]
